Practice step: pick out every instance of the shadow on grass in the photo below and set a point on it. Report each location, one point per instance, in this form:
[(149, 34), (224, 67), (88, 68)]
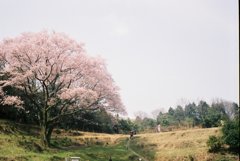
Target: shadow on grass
[(226, 154), (31, 146), (229, 151), (61, 143)]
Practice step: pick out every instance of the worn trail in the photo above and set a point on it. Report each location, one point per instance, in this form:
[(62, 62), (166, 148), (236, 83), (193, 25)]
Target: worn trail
[(134, 152)]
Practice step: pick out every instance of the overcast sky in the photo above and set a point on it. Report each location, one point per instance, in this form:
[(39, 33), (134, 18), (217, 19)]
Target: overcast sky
[(159, 52)]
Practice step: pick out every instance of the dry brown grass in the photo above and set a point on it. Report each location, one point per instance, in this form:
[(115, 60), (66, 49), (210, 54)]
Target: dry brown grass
[(90, 138), (179, 145), (182, 145)]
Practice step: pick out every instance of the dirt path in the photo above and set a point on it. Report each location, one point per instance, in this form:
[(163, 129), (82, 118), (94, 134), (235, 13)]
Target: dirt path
[(134, 152)]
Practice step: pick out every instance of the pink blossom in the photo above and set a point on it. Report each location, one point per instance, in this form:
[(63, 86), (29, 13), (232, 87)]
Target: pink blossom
[(59, 68), (12, 100)]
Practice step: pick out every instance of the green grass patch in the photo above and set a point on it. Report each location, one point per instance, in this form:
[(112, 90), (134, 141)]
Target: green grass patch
[(148, 151), (26, 148), (22, 143)]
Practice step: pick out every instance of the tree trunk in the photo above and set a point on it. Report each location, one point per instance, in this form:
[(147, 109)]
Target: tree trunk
[(43, 134), (46, 133), (49, 134)]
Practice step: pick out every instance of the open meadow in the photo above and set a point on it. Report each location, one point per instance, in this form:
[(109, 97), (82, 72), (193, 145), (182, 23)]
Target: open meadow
[(179, 145), (21, 143)]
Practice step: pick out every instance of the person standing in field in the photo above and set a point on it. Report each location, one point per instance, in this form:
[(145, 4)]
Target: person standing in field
[(158, 128)]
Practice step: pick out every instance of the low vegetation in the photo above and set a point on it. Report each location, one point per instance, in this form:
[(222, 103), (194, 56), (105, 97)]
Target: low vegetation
[(214, 143), (229, 139), (179, 145), (18, 143)]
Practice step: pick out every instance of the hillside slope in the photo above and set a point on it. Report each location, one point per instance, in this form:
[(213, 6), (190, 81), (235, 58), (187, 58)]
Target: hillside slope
[(21, 143), (179, 145)]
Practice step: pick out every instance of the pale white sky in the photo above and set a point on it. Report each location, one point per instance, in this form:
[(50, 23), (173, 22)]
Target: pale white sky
[(160, 52)]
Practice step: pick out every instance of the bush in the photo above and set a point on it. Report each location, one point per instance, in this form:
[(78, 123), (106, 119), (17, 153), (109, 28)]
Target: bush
[(214, 143), (231, 134)]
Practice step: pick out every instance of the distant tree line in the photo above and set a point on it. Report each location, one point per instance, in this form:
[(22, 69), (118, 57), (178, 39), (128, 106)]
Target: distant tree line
[(191, 115)]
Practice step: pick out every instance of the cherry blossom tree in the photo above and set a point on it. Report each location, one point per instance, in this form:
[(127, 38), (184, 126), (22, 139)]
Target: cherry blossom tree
[(57, 76)]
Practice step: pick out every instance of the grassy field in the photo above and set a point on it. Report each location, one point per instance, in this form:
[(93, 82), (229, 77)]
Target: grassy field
[(21, 143), (180, 145)]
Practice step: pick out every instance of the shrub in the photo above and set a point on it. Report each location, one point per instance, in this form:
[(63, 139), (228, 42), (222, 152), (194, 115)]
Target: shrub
[(231, 134), (214, 143)]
